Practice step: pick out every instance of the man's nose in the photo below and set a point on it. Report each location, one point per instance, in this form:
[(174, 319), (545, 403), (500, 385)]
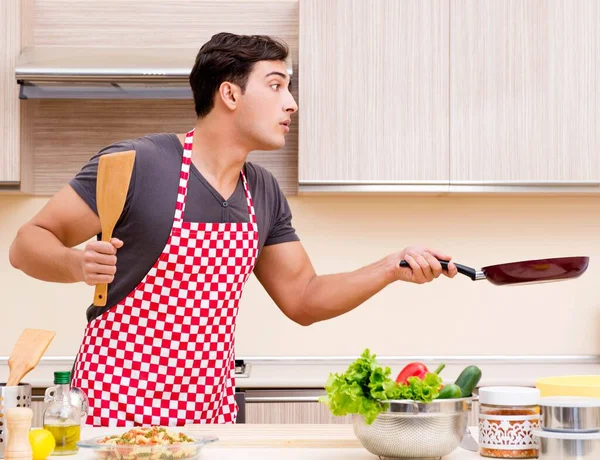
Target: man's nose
[(291, 106)]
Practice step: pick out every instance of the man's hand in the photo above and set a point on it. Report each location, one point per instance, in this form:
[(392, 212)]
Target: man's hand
[(99, 261), (424, 265)]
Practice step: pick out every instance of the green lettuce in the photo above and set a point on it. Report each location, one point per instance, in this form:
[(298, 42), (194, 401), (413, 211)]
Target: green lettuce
[(365, 386), (425, 390)]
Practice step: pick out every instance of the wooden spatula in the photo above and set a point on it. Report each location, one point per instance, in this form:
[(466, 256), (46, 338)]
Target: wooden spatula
[(28, 350), (114, 174)]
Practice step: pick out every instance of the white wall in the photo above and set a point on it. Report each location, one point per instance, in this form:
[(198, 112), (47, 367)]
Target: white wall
[(447, 317)]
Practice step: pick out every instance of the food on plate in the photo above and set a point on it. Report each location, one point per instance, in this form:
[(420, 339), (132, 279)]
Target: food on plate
[(147, 443), (145, 436)]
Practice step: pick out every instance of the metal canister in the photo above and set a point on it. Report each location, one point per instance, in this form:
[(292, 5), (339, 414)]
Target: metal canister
[(13, 396), (567, 446), (570, 414)]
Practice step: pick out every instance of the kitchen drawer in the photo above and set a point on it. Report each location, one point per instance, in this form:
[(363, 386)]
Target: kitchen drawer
[(288, 406)]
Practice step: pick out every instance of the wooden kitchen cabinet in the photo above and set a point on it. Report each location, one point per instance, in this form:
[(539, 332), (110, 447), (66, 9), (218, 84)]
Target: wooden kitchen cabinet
[(58, 136), (456, 96), (524, 92), (38, 406), (373, 93), (289, 405), (10, 46), (291, 412)]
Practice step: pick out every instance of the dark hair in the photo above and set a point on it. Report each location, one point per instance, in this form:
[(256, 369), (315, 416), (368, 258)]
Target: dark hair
[(229, 57)]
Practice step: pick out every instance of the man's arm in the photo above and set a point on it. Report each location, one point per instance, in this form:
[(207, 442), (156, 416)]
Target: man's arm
[(287, 274), (43, 246)]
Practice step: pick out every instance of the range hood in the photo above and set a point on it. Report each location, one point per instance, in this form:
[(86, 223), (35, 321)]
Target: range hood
[(105, 73)]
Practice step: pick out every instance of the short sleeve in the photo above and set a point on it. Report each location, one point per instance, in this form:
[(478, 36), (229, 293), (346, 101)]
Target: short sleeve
[(281, 230), (84, 182)]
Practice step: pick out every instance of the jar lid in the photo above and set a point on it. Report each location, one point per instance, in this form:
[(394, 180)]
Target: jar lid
[(509, 396), (569, 401), (61, 378)]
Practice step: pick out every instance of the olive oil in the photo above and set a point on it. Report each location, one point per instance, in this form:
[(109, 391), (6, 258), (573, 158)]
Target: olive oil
[(66, 437), (62, 419)]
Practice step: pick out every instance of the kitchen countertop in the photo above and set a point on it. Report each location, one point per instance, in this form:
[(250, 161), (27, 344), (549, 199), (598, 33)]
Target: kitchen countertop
[(312, 374), (266, 442)]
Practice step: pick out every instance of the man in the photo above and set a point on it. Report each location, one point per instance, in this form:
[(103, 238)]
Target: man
[(198, 220)]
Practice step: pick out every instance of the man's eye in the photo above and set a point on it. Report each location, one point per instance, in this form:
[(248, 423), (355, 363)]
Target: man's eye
[(275, 86)]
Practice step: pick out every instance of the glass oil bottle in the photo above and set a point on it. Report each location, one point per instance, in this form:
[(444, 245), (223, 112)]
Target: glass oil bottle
[(63, 419)]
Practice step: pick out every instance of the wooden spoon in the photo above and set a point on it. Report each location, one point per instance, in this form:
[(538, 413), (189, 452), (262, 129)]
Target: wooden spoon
[(114, 175), (28, 350)]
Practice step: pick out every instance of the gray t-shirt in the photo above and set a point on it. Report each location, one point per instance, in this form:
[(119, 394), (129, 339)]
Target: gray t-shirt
[(147, 218)]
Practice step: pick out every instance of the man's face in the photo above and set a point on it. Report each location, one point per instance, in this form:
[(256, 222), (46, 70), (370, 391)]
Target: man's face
[(265, 109)]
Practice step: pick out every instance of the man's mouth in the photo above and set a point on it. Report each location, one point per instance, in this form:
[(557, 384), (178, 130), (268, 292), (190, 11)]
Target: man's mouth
[(286, 125)]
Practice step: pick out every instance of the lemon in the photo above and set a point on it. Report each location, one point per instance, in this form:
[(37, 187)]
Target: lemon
[(42, 443)]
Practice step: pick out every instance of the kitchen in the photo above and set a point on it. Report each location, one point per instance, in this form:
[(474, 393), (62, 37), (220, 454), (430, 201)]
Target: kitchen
[(452, 101)]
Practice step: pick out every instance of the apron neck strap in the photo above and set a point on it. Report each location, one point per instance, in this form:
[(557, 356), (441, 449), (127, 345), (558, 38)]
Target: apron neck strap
[(184, 179)]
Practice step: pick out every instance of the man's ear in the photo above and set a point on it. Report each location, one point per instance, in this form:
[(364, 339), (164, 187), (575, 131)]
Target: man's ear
[(229, 94)]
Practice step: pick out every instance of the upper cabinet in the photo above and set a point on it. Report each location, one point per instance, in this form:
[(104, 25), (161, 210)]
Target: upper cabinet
[(10, 43), (525, 92), (59, 135), (431, 96), (449, 96), (373, 93)]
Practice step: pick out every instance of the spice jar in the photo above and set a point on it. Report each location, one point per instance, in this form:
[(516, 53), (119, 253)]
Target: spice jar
[(507, 418)]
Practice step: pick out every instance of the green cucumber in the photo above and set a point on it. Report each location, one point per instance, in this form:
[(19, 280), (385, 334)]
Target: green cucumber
[(468, 380), (451, 391)]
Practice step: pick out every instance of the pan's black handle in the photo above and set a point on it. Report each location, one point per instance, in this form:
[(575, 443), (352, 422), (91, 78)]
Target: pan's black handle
[(462, 269)]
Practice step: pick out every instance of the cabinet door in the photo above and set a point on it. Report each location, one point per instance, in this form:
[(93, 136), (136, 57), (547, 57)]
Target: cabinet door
[(524, 92), (10, 47), (373, 92), (49, 154), (291, 412), (290, 405)]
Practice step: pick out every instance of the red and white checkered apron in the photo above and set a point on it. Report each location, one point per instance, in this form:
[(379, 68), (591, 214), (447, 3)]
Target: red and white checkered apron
[(164, 355)]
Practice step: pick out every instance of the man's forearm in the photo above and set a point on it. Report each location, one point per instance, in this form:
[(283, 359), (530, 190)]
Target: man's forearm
[(40, 254), (328, 296)]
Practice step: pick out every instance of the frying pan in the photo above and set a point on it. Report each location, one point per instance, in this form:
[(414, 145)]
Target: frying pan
[(525, 271)]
